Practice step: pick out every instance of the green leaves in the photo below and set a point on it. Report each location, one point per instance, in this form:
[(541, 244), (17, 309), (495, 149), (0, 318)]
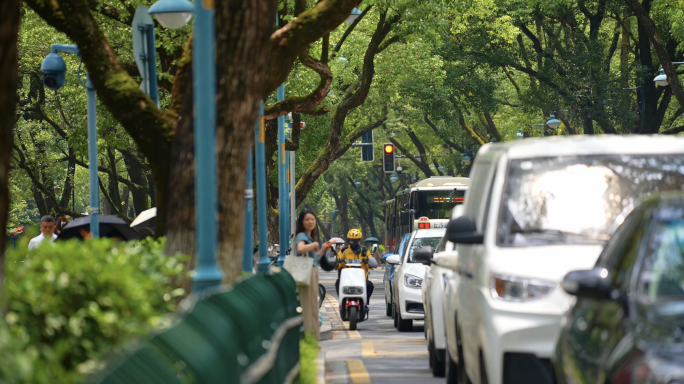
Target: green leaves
[(72, 302)]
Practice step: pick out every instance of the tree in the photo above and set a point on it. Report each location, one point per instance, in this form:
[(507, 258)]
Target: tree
[(9, 28)]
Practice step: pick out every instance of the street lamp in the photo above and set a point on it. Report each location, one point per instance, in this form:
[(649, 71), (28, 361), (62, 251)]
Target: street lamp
[(520, 134), (661, 79), (441, 168), (355, 13), (172, 14), (54, 75), (465, 160), (553, 123), (394, 177), (175, 14)]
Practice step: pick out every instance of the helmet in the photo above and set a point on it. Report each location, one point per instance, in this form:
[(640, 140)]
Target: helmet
[(328, 262), (354, 234)]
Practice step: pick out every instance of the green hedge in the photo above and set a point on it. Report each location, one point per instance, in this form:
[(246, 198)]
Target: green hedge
[(70, 304)]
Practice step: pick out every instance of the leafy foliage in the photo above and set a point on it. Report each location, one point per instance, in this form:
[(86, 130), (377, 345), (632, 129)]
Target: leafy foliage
[(71, 303)]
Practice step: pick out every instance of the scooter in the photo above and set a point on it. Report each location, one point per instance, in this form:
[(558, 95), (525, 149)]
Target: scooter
[(353, 293)]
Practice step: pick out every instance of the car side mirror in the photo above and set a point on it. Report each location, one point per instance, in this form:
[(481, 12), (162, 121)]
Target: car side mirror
[(447, 259), (590, 284), (393, 259), (424, 255), (462, 230)]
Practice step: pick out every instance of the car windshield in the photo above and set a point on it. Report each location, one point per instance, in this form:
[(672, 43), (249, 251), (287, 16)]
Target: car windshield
[(575, 199), (422, 242)]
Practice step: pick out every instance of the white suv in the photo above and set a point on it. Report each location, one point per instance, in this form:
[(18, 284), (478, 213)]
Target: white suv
[(437, 277), (535, 210), (409, 274)]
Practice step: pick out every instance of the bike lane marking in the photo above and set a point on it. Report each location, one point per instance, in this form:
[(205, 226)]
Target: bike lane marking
[(357, 372)]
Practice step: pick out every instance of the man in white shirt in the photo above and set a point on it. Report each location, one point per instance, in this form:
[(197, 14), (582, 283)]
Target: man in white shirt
[(47, 231)]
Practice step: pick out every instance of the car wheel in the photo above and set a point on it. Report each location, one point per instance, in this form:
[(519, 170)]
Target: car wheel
[(461, 369), (438, 367), (388, 308), (451, 371), (483, 370), (394, 316), (404, 325)]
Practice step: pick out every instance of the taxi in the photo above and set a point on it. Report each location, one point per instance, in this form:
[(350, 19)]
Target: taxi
[(407, 297)]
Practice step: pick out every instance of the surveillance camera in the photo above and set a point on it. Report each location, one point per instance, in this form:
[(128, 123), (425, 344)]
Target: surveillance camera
[(400, 169), (54, 71)]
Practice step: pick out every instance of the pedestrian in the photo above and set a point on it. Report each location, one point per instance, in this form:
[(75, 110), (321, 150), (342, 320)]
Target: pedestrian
[(307, 245), (61, 223), (47, 231)]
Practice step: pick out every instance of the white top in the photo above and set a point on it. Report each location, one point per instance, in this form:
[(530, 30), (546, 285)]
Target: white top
[(36, 240)]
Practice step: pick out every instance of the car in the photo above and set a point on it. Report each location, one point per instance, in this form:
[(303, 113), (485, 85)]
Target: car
[(535, 210), (437, 277), (407, 303), (388, 277), (627, 325)]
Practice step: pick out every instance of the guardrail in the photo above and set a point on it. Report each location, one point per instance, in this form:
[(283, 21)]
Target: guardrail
[(248, 334)]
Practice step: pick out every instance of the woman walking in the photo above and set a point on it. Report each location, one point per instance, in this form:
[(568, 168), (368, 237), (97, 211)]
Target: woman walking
[(307, 246)]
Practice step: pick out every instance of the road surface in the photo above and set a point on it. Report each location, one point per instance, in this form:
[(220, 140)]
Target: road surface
[(376, 353)]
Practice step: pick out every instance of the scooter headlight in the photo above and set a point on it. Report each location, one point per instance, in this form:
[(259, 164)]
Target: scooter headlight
[(511, 288), (352, 290), (412, 281)]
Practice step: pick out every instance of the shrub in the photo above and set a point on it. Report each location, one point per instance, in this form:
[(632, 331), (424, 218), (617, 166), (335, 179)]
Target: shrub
[(71, 303), (308, 355)]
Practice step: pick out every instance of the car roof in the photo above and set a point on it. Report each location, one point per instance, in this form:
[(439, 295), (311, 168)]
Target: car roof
[(554, 146)]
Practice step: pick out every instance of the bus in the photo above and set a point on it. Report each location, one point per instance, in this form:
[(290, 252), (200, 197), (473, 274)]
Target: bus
[(433, 198)]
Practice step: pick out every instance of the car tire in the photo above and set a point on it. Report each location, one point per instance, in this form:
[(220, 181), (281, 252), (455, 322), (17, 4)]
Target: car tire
[(451, 369), (483, 370), (388, 308), (394, 316), (404, 325), (438, 367), (461, 372)]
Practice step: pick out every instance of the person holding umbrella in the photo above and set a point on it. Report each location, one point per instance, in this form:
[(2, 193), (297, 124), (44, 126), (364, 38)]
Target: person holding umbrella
[(375, 249)]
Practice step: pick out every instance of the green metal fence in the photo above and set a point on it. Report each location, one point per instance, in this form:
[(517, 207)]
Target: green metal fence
[(248, 334)]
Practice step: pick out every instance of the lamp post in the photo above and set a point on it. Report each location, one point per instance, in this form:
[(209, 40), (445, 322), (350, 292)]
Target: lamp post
[(520, 134), (661, 79), (54, 73), (175, 14), (553, 123)]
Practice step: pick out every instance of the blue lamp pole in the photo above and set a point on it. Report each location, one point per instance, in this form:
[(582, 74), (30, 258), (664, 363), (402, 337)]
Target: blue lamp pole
[(175, 14), (54, 72), (247, 245), (260, 152)]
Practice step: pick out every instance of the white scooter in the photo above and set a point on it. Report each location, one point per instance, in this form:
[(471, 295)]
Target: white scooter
[(353, 292)]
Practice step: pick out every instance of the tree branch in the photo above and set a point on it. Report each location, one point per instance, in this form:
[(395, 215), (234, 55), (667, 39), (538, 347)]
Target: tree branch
[(291, 40)]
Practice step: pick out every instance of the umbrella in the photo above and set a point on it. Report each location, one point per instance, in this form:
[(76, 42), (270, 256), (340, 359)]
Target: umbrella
[(145, 219), (373, 240), (110, 226)]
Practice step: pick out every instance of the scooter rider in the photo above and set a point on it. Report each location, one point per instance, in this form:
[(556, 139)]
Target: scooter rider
[(354, 251)]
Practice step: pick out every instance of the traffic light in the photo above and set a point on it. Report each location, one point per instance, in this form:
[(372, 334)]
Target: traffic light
[(388, 158), (367, 150)]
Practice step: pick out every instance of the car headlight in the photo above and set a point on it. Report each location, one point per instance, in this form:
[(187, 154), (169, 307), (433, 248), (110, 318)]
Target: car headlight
[(511, 288), (352, 290), (412, 281)]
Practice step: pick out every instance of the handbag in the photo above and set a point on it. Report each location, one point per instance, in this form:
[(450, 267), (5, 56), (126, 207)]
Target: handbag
[(300, 268)]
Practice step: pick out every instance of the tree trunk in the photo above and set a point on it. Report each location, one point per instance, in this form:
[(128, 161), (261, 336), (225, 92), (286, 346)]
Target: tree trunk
[(180, 219), (243, 28), (136, 174), (9, 28)]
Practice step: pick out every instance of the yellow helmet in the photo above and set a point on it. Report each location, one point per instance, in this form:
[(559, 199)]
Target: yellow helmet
[(354, 234)]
